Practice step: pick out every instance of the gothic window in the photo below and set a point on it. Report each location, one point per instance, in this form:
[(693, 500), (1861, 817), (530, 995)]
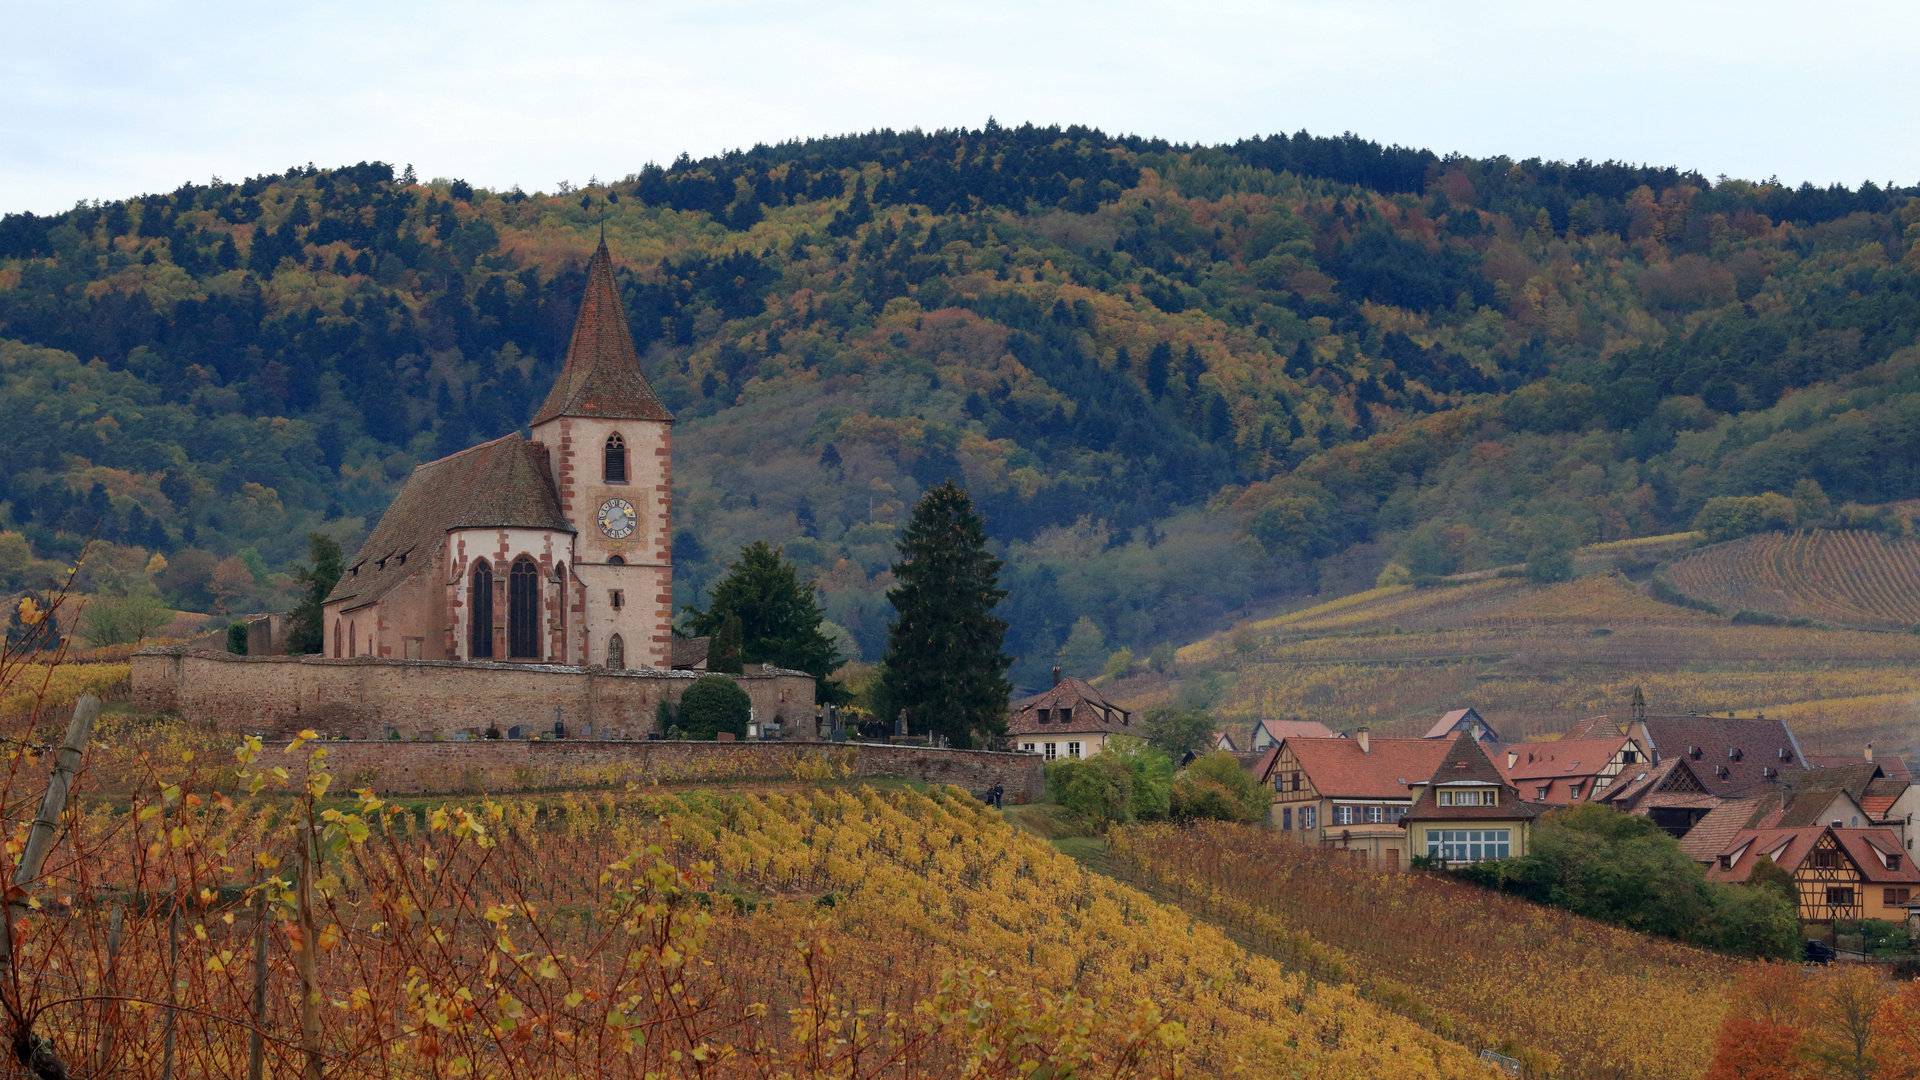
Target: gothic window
[(523, 610), (480, 613), (616, 470), (353, 638), (616, 652), (336, 639)]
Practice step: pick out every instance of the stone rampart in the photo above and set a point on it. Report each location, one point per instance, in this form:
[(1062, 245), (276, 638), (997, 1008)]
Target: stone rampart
[(394, 767), (374, 697)]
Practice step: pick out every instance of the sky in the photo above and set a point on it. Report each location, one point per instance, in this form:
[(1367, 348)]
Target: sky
[(110, 100)]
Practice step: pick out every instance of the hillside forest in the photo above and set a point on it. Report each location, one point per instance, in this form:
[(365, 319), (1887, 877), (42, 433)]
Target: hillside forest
[(1174, 379)]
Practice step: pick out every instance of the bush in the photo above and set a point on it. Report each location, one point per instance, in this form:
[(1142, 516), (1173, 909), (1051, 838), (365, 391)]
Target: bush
[(713, 704), (1729, 517), (1152, 776), (1127, 781), (1176, 731), (1547, 564), (1625, 870), (237, 639), (1217, 787)]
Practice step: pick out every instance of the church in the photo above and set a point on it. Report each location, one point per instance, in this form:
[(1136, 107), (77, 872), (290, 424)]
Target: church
[(523, 587), (550, 549)]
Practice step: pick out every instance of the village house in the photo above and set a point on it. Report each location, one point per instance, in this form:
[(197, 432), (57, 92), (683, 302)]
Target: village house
[(1569, 770), (1268, 733), (1459, 720), (1348, 794), (1842, 873), (1467, 811), (1069, 720)]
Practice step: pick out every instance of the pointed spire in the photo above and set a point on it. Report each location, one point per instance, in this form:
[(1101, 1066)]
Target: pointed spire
[(602, 373)]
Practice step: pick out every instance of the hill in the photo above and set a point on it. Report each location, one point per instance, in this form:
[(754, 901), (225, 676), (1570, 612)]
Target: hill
[(1534, 659), (1850, 578), (1176, 378)]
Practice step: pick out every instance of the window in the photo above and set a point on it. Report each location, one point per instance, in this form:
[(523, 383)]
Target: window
[(1896, 897), (1573, 791), (1046, 716), (480, 613), (616, 462), (336, 639), (1073, 749), (523, 610), (1395, 813), (1343, 815), (615, 560), (1066, 716), (1286, 819), (353, 639), (1839, 896), (1826, 859), (1469, 845), (1477, 797), (616, 653), (1540, 793), (1050, 750), (1028, 747), (1376, 815), (1629, 757), (616, 599), (1309, 816)]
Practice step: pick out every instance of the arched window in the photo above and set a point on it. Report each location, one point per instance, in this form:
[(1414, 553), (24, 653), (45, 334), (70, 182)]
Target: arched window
[(353, 638), (480, 612), (615, 560), (337, 635), (616, 470), (616, 653), (523, 610)]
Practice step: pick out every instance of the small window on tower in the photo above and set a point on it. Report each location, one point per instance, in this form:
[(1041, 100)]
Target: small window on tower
[(616, 599), (616, 470), (615, 560)]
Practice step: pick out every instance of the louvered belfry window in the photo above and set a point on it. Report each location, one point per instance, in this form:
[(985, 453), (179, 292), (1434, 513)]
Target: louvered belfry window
[(480, 613), (616, 471), (523, 610)]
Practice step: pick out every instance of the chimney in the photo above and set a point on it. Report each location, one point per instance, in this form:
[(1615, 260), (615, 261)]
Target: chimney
[(1056, 674), (1869, 753), (1365, 743)]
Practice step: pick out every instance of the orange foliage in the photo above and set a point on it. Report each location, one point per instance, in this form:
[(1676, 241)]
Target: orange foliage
[(1761, 1036)]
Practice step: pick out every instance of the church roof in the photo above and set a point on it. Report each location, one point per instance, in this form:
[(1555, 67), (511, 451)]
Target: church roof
[(500, 484), (602, 374)]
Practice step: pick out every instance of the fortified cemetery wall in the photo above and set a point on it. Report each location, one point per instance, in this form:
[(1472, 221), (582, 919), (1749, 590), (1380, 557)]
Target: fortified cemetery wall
[(501, 766), (376, 697)]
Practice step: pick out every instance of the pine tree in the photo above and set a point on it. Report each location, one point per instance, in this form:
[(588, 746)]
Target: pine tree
[(308, 634), (778, 618), (943, 662)]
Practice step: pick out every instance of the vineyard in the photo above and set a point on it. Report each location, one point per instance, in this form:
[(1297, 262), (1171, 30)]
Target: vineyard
[(1848, 578), (1569, 997), (237, 910)]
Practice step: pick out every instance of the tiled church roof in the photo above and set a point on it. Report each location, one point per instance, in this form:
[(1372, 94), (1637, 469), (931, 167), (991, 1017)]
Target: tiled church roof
[(602, 374), (504, 483)]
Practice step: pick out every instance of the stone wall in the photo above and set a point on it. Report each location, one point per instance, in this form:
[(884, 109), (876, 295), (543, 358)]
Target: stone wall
[(497, 767), (370, 698)]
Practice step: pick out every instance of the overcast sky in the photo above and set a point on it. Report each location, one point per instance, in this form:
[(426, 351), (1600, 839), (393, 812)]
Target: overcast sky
[(109, 100)]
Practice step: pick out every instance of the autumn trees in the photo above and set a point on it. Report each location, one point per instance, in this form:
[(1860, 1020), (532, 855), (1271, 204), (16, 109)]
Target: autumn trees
[(1845, 1022)]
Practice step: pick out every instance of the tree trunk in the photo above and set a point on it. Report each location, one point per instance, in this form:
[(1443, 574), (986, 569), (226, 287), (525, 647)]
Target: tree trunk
[(309, 964)]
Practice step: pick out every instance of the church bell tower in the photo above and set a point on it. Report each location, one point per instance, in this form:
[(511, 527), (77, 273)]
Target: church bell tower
[(609, 440)]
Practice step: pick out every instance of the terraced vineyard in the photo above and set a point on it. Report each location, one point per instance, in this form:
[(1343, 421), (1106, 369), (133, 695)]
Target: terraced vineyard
[(1857, 579)]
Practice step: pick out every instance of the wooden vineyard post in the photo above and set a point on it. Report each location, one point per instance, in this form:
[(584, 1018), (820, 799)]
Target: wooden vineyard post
[(256, 1039), (110, 1010), (33, 1051), (173, 987), (309, 965)]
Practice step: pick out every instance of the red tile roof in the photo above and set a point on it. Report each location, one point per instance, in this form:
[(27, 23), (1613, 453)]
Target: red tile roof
[(1294, 729), (1467, 765), (504, 483), (1091, 713), (1338, 769), (1735, 755), (1711, 834), (602, 374), (1890, 765), (1882, 794), (1790, 848), (1444, 727), (1596, 727)]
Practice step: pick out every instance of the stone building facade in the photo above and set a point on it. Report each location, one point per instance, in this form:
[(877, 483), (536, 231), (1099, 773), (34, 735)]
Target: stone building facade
[(551, 550)]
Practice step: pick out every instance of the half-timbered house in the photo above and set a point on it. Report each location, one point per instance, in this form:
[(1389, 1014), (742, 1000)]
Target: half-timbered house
[(1841, 873)]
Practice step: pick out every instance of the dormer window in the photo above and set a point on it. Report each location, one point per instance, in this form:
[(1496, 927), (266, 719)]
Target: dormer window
[(1066, 716), (1573, 791), (1469, 797), (616, 460), (1046, 716)]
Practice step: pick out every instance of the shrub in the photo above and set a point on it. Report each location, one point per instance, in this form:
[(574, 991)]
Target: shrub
[(1152, 773), (1729, 517), (1176, 731), (1098, 789), (1547, 563), (714, 703), (1217, 787), (237, 639)]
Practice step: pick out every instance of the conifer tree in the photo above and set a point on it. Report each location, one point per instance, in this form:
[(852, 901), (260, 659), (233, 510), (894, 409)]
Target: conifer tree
[(943, 663), (775, 619), (308, 633)]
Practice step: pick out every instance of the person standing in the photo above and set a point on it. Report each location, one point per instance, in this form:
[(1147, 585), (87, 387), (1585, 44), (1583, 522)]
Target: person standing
[(998, 792)]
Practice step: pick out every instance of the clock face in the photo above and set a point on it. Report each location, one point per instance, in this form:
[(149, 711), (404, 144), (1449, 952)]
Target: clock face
[(616, 518)]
